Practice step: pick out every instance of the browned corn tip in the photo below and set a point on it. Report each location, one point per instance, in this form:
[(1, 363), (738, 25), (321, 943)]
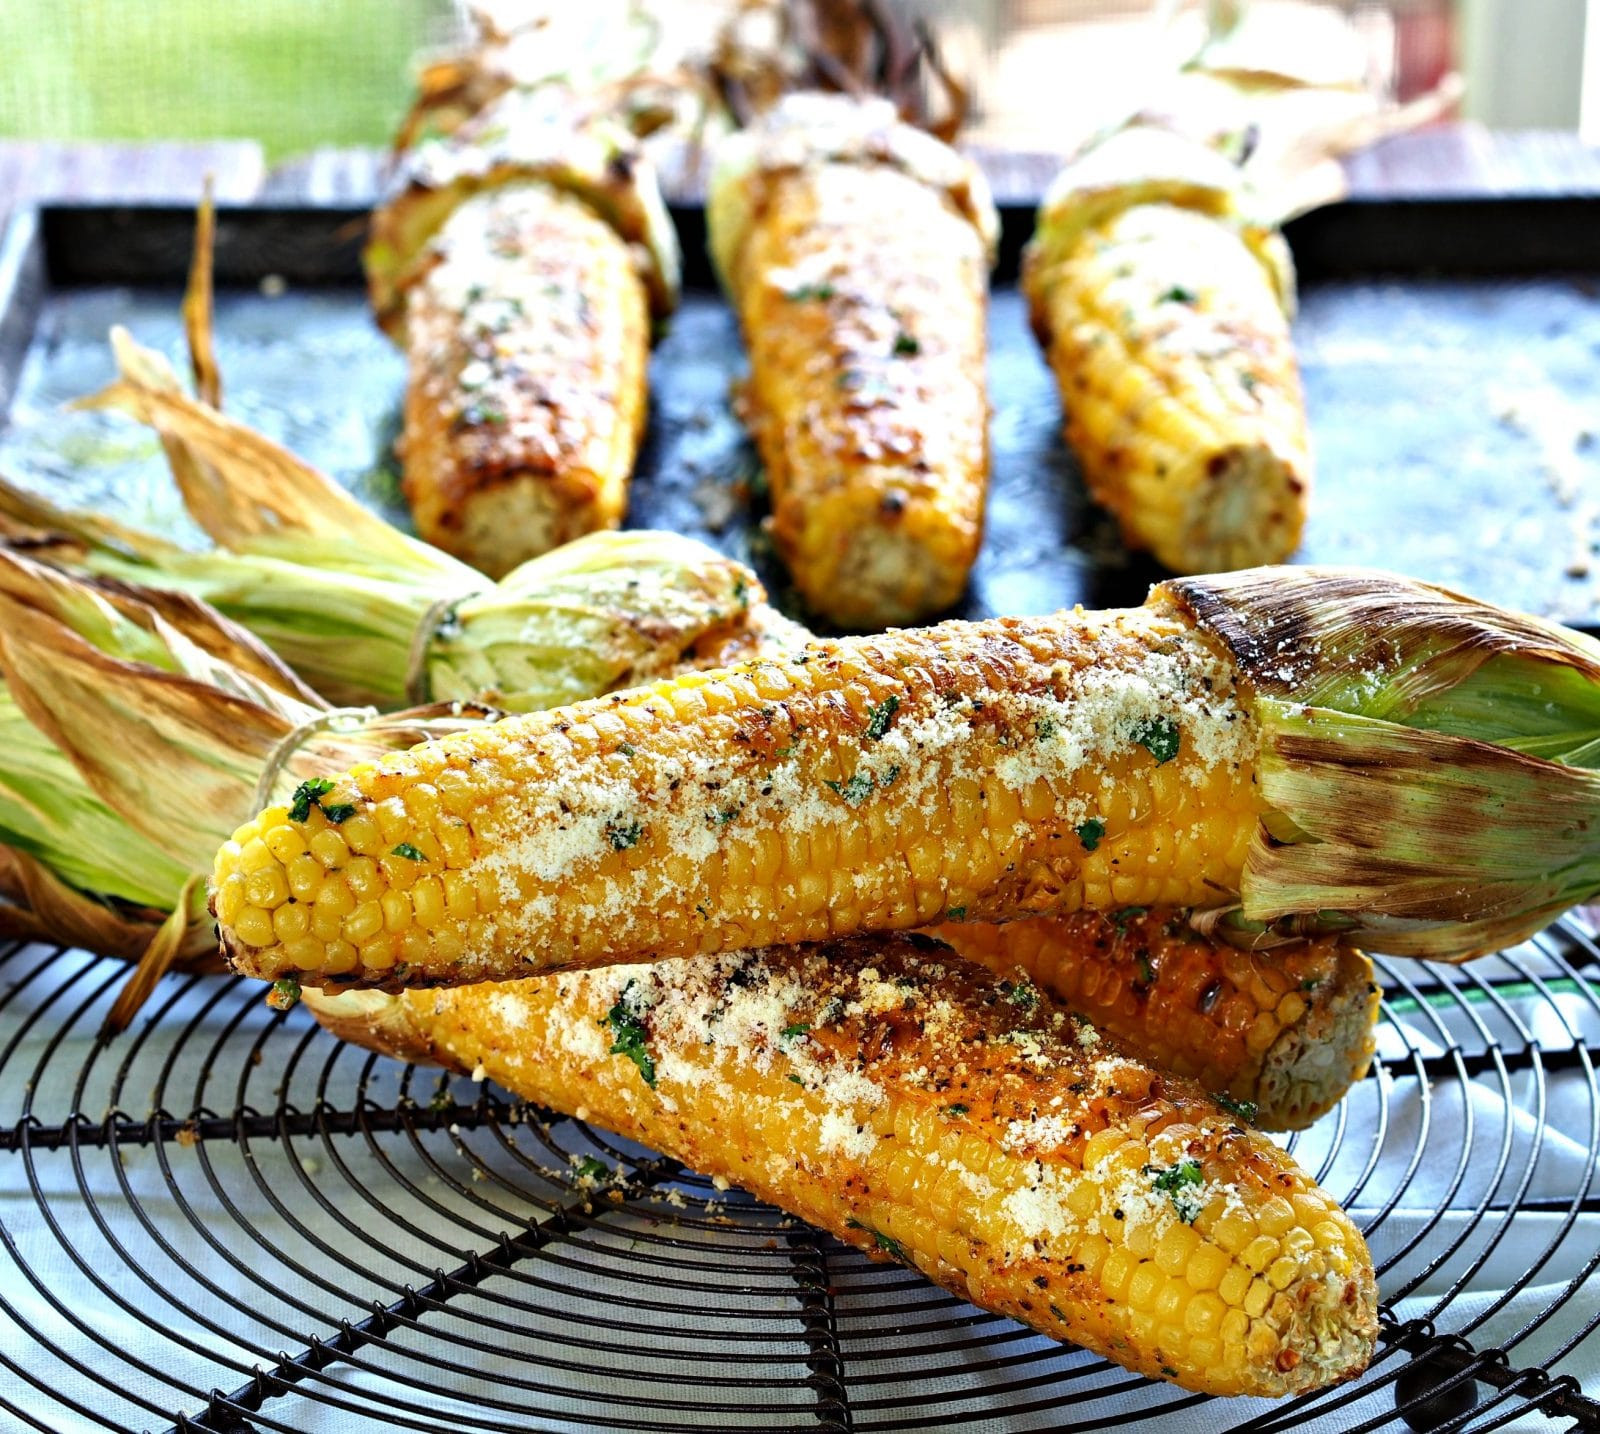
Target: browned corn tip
[(862, 300), (1287, 1031), (528, 342), (1179, 385)]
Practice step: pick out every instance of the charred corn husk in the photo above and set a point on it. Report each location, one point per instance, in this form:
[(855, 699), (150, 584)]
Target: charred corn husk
[(925, 1111), (520, 263), (1164, 313), (1279, 1034), (1322, 748), (856, 251)]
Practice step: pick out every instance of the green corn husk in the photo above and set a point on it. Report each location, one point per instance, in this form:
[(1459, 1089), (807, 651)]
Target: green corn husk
[(368, 615), (1429, 762), (139, 728)]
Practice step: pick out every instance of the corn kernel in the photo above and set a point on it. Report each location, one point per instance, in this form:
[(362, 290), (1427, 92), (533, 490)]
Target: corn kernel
[(336, 898), (267, 887), (339, 958), (365, 922), (396, 910), (361, 876), (377, 954), (459, 895), (455, 841), (305, 877), (230, 899), (291, 922), (360, 833), (1209, 1269), (255, 856), (427, 902), (285, 843), (1203, 1314), (253, 926), (328, 847), (305, 953), (325, 923)]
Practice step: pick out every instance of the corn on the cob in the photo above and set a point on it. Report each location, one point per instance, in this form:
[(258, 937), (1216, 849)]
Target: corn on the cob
[(1283, 1032), (923, 1110), (1164, 315), (1293, 740), (520, 264), (864, 784), (528, 343), (856, 251)]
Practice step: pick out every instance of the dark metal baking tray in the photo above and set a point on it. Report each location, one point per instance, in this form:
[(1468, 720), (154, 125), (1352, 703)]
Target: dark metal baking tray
[(1448, 348), (389, 1256)]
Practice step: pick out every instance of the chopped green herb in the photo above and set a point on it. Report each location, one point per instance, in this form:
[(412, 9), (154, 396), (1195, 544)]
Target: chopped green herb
[(1159, 736), (441, 1099), (820, 292), (1022, 994), (1044, 728), (723, 817), (409, 852), (833, 1011), (889, 778), (741, 592), (957, 1110), (1244, 1109), (1125, 915), (854, 791), (1248, 381), (1176, 1181), (888, 1246), (956, 913), (1177, 294), (1310, 984), (623, 834), (1169, 1371), (479, 414), (285, 993), (591, 1169), (1147, 972), (307, 795), (628, 1034), (626, 748), (1090, 833), (794, 1030), (880, 716), (906, 345), (796, 1079), (339, 812)]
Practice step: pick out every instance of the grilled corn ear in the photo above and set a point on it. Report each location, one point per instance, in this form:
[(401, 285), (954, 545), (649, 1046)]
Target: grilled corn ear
[(528, 341), (1283, 1034), (856, 251), (857, 785), (927, 1112), (520, 264), (1326, 749), (1165, 316)]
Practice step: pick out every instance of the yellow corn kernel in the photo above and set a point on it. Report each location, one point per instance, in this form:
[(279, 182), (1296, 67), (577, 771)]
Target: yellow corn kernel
[(291, 922), (254, 926), (427, 903), (267, 887), (361, 834), (306, 876), (254, 856), (396, 910), (362, 876), (284, 842), (341, 957), (328, 847), (365, 922)]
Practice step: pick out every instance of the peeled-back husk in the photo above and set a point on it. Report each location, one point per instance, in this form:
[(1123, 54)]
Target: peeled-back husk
[(1425, 757)]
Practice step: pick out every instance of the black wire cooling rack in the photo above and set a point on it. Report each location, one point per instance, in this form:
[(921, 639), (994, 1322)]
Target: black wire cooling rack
[(226, 1220)]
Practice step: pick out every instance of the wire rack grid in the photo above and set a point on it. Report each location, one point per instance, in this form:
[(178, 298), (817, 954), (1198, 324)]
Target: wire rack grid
[(226, 1220)]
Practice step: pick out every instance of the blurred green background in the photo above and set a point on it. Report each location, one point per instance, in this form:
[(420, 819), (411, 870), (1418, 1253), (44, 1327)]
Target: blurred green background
[(293, 74)]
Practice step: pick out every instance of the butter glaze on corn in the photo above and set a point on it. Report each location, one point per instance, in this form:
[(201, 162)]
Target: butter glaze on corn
[(863, 784), (1288, 1029), (921, 1109)]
